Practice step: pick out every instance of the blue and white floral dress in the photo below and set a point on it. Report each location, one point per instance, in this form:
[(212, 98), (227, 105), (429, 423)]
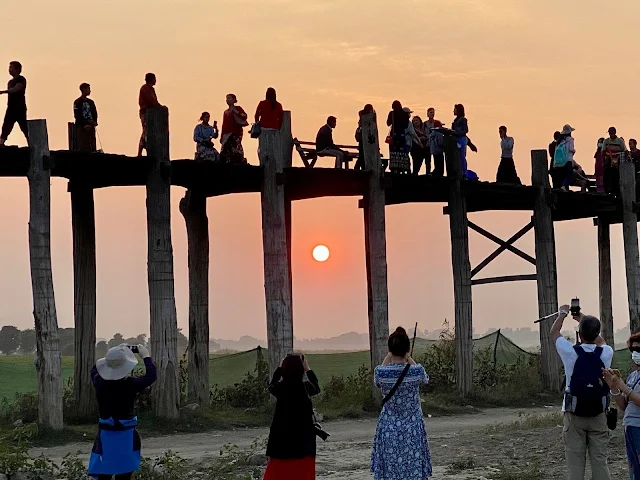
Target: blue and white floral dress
[(400, 447)]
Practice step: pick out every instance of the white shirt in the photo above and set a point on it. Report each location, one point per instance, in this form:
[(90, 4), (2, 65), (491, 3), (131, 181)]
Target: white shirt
[(569, 356), (507, 147)]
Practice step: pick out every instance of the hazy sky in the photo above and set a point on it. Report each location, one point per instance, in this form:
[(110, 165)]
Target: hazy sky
[(533, 65)]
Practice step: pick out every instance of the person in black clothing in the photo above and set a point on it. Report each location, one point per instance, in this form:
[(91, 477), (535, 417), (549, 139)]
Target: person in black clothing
[(292, 438), (116, 450), (324, 142), (557, 174), (86, 115), (398, 121), (368, 108), (16, 103)]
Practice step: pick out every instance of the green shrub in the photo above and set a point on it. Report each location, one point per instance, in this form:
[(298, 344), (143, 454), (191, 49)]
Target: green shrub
[(251, 392)]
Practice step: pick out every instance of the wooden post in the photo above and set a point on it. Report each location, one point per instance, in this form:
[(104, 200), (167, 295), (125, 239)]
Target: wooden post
[(604, 270), (630, 236), (277, 279), (287, 154), (48, 360), (545, 268), (375, 243), (83, 226), (458, 225), (162, 303), (194, 210)]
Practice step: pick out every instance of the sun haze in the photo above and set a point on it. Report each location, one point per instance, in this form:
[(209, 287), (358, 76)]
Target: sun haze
[(532, 65)]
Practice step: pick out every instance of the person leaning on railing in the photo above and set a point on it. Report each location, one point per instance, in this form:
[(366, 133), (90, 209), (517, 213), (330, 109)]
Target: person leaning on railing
[(116, 450)]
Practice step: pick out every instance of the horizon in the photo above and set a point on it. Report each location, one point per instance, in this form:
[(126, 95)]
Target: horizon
[(506, 62)]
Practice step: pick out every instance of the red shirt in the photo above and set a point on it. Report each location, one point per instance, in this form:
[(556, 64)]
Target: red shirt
[(229, 124), (147, 98), (269, 117)]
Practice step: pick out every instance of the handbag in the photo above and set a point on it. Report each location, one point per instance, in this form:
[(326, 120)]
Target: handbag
[(255, 130), (388, 396), (239, 120)]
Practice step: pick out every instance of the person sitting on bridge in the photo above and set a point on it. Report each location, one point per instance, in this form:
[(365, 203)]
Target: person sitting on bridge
[(146, 100), (324, 142), (611, 150), (16, 103), (269, 114), (203, 135), (86, 116)]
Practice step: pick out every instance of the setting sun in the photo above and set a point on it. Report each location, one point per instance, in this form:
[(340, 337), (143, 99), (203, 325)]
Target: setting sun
[(321, 253)]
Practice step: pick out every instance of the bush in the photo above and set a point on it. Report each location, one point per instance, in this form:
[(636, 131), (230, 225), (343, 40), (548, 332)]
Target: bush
[(349, 397), (23, 407), (251, 392)]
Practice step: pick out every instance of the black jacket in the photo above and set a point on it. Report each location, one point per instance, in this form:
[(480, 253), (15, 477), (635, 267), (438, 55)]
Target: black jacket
[(324, 139), (292, 434)]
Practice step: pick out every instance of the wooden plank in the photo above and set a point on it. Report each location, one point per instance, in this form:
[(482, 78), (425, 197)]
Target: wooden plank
[(458, 225), (604, 276), (83, 228), (506, 278), (48, 360), (193, 207), (375, 244), (162, 302), (277, 280), (508, 245), (545, 268), (630, 236)]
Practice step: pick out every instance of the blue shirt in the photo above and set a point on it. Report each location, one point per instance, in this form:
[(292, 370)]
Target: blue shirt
[(202, 133), (632, 412)]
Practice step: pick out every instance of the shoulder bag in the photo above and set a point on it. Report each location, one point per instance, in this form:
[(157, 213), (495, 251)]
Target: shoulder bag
[(388, 396)]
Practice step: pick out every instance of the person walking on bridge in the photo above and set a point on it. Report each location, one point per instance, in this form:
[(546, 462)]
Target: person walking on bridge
[(86, 117), (146, 100), (16, 103)]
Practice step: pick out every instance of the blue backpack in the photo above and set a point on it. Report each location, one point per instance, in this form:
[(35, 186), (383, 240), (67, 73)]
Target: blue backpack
[(561, 155), (588, 393)]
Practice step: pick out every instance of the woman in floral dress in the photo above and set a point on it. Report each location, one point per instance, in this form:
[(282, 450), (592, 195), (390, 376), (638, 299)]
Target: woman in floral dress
[(400, 447)]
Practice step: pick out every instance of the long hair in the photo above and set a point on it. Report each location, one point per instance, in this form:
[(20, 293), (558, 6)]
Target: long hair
[(460, 109), (271, 96), (292, 368)]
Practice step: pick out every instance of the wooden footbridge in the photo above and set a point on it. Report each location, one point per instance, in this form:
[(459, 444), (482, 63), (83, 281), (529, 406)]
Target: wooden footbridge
[(279, 184)]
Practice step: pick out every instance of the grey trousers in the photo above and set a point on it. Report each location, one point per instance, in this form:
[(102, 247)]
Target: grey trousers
[(582, 436)]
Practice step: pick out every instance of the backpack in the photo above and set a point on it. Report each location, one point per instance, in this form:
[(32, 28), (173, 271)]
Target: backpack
[(588, 393), (561, 155)]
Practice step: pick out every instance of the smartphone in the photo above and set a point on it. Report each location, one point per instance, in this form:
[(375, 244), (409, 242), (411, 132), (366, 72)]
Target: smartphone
[(133, 348), (575, 307)]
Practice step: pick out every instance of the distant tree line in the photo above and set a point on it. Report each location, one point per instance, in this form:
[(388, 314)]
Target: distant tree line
[(23, 342)]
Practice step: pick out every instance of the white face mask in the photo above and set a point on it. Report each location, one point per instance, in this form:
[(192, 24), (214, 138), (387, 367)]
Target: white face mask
[(635, 356)]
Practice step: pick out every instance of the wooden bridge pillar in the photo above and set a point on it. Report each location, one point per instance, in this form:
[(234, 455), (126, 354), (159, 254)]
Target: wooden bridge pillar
[(194, 210), (630, 236), (604, 275), (83, 226), (375, 243), (547, 277), (276, 248), (162, 303), (458, 225), (48, 360)]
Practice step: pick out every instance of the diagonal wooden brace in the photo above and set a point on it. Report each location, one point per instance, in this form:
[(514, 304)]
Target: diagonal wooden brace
[(508, 245)]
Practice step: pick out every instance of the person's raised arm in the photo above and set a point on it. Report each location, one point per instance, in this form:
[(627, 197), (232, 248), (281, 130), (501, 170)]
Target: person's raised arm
[(150, 375), (556, 329)]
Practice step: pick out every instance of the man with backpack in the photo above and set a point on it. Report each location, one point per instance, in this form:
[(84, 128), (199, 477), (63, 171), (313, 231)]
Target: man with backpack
[(586, 396)]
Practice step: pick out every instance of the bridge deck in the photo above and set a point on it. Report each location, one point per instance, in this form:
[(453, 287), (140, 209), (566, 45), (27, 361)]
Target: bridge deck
[(99, 170)]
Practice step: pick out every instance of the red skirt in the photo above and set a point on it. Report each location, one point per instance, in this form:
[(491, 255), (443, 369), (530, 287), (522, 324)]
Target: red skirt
[(294, 469)]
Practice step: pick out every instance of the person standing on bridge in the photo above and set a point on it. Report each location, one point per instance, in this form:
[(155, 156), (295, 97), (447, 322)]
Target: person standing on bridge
[(460, 128), (400, 446), (398, 120), (507, 168), (586, 396), (612, 147), (116, 450), (86, 117), (16, 103), (599, 166), (291, 447), (234, 119), (146, 100)]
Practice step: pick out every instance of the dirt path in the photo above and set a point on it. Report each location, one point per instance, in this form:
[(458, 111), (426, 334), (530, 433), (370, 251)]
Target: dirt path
[(346, 454)]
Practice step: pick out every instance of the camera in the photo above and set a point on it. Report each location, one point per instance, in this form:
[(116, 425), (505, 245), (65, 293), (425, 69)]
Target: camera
[(320, 432), (133, 348), (575, 307)]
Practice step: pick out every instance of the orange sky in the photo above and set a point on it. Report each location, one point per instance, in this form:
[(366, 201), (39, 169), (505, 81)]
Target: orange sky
[(530, 64)]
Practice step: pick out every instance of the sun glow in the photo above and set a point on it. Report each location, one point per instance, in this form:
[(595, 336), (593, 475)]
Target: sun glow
[(320, 253)]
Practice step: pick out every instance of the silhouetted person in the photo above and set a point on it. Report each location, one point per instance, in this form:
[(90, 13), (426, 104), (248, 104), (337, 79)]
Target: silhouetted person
[(269, 113), (16, 103), (556, 174), (612, 147), (368, 108), (507, 168), (86, 116), (146, 100), (324, 142)]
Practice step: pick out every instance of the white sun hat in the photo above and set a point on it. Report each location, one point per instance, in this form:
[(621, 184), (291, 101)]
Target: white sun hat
[(117, 363), (567, 129)]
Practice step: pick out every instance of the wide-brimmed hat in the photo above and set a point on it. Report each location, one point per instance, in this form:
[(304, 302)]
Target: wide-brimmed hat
[(117, 363), (567, 129), (407, 109)]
